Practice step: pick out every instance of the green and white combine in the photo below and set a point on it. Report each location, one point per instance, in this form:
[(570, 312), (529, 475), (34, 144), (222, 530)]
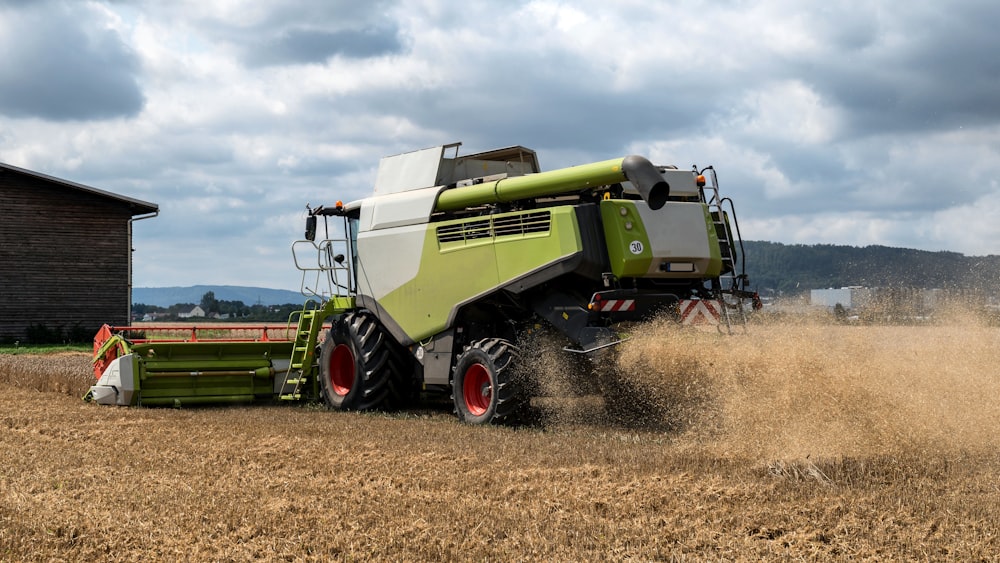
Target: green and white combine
[(437, 277)]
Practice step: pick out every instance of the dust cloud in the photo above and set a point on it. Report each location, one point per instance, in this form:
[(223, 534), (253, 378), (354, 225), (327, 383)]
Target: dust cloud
[(788, 391)]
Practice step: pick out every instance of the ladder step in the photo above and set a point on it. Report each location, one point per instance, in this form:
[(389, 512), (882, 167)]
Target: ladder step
[(294, 381), (290, 397)]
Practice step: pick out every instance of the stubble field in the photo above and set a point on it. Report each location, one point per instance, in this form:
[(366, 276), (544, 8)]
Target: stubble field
[(793, 442)]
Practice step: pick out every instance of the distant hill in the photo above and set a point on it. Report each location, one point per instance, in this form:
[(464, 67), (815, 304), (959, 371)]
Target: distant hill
[(167, 296), (797, 268)]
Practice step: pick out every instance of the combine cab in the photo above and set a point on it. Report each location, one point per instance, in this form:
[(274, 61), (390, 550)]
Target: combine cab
[(437, 277)]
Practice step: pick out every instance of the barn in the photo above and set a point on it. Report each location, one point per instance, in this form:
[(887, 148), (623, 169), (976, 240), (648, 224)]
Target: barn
[(65, 257)]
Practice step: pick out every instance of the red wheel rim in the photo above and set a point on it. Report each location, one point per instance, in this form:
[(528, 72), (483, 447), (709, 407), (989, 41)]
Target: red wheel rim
[(341, 370), (477, 389)]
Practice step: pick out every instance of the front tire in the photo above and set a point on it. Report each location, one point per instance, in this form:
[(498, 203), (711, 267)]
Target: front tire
[(483, 385), (358, 366)]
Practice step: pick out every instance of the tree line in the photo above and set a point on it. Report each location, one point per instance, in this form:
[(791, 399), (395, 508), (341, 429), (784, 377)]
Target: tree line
[(789, 269), (218, 308)]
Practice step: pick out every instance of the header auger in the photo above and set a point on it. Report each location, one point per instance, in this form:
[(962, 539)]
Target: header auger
[(435, 279)]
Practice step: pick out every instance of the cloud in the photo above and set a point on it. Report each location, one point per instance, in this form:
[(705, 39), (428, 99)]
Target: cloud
[(914, 68), (293, 32), (303, 45), (62, 62), (835, 123)]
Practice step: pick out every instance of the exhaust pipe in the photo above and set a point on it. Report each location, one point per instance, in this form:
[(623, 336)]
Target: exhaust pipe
[(647, 179)]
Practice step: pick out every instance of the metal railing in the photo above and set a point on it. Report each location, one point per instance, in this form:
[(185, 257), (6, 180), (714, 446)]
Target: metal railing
[(209, 332), (325, 267)]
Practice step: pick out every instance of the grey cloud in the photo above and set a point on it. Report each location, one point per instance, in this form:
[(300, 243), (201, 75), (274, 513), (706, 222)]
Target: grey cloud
[(59, 64), (344, 13), (296, 31), (910, 69), (544, 101), (298, 45)]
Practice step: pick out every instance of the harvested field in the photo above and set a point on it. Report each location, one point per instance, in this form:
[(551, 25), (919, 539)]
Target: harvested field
[(795, 442)]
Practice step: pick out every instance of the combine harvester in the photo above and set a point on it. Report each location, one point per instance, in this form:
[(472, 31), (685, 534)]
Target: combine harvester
[(452, 261)]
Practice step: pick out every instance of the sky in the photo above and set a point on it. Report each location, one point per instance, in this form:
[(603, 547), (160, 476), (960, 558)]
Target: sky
[(839, 122)]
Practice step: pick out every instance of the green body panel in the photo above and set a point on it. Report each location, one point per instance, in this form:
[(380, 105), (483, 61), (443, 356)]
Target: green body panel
[(183, 356), (336, 305), (517, 255), (617, 216), (542, 184), (457, 271), (136, 379), (178, 373)]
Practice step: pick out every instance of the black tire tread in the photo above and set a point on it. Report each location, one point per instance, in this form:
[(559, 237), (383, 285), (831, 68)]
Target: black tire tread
[(504, 356), (383, 382)]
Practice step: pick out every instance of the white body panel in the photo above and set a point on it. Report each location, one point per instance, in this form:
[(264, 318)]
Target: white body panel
[(388, 259), (118, 383), (398, 209), (408, 171), (682, 183)]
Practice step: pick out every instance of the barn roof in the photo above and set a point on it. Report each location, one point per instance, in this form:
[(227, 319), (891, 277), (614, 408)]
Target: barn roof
[(137, 206)]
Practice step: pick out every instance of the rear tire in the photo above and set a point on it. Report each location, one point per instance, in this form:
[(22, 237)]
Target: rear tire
[(358, 368), (483, 383)]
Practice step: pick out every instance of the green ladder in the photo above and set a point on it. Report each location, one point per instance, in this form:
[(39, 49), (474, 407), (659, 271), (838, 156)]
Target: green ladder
[(303, 352)]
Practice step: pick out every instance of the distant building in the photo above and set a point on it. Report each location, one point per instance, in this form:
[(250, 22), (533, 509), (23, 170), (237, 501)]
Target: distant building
[(65, 256), (847, 297), (196, 312)]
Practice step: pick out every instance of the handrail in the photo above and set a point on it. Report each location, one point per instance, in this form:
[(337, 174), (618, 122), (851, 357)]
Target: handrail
[(329, 261), (190, 333)]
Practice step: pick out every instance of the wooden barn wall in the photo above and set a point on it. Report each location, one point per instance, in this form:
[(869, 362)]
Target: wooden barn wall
[(64, 258)]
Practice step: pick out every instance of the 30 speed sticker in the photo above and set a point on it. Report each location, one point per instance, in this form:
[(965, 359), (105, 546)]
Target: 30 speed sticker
[(635, 246)]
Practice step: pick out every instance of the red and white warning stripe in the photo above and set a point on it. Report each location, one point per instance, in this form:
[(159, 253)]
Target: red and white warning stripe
[(699, 311), (601, 305), (612, 305)]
